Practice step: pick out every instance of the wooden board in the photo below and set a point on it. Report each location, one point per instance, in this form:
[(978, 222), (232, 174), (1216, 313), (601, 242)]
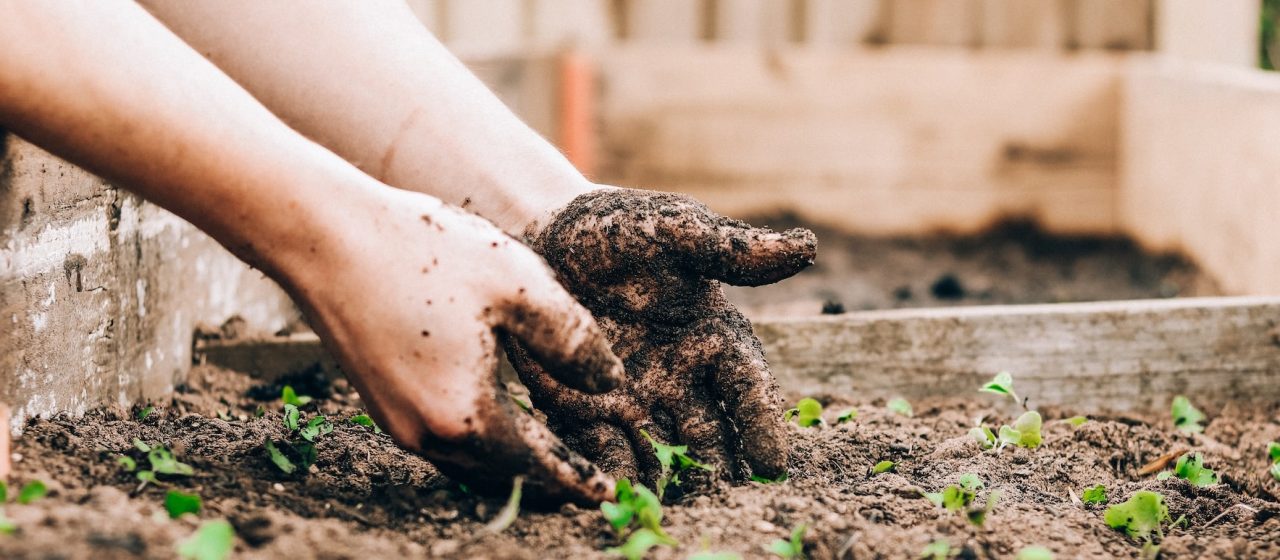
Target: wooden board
[(1119, 355)]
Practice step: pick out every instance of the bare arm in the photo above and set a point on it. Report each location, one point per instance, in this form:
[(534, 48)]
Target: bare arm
[(367, 80)]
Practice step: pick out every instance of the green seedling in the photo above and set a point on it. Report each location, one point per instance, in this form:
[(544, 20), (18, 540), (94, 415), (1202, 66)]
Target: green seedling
[(983, 436), (1025, 431), (527, 407), (1095, 495), (260, 411), (314, 428), (762, 480), (161, 460), (807, 413), (305, 453), (291, 417), (638, 545), (127, 463), (509, 512), (1186, 417), (1035, 552), (32, 491), (1191, 468), (793, 547), (214, 540), (1076, 421), (145, 412), (292, 456), (289, 396), (674, 460), (900, 406), (1273, 450), (956, 497), (635, 505), (178, 503), (366, 421), (883, 467), (847, 416), (938, 550), (1139, 516), (1002, 384)]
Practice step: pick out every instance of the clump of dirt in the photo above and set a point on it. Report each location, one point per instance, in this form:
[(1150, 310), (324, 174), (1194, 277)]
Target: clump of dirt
[(1013, 262), (368, 498)]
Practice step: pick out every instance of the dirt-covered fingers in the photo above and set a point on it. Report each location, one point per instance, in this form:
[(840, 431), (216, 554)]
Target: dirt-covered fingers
[(748, 256), (605, 445), (559, 334), (703, 431), (748, 389)]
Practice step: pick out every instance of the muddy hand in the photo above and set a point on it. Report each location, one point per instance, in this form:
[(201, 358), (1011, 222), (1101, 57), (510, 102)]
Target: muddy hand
[(648, 266), (411, 296)]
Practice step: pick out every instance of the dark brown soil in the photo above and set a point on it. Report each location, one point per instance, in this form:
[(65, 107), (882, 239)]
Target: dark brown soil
[(366, 498), (1011, 263)]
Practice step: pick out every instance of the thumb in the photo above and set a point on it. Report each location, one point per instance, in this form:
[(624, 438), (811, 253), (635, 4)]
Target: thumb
[(747, 256), (560, 334)]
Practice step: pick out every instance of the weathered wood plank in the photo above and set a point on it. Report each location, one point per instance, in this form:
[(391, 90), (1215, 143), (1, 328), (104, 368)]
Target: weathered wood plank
[(1115, 355), (1024, 23), (1113, 25), (934, 22)]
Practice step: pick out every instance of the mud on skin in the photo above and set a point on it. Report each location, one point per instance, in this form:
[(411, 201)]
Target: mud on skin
[(648, 266)]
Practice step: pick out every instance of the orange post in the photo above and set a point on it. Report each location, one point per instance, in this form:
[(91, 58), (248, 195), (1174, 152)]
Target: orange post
[(577, 110)]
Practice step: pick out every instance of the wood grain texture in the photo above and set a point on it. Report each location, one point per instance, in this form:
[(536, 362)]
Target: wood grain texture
[(1121, 355)]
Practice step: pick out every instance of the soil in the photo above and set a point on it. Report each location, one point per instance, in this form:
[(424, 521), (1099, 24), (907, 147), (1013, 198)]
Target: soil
[(1013, 262), (367, 498)]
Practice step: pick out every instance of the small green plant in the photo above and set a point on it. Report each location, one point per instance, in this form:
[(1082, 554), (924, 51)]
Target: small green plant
[(956, 497), (145, 412), (793, 547), (847, 416), (161, 460), (762, 480), (1191, 468), (1139, 516), (883, 467), (1076, 421), (1002, 384), (1035, 552), (636, 505), (983, 436), (178, 503), (32, 491), (900, 406), (366, 421), (509, 512), (1095, 495), (289, 396), (674, 460), (214, 540), (807, 413), (938, 550), (1186, 417), (1025, 431), (299, 452)]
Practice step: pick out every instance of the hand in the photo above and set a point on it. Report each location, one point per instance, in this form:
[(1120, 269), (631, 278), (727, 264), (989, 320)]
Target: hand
[(409, 293), (647, 264)]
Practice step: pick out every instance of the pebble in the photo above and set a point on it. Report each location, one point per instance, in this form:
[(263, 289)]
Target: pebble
[(763, 526), (313, 469), (277, 487), (17, 457), (444, 548)]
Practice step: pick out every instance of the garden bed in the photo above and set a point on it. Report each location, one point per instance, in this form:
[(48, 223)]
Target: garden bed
[(367, 498)]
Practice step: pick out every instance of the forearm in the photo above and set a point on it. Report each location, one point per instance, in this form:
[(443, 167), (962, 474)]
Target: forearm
[(105, 85), (368, 81)]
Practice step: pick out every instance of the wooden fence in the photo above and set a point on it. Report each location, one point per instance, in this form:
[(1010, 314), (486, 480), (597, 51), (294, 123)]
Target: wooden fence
[(498, 27)]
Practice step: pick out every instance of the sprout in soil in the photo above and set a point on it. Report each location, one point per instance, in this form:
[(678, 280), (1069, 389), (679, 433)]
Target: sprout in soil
[(901, 406), (847, 416), (162, 461), (1095, 495), (938, 550), (1025, 431), (366, 421), (762, 480), (145, 412), (807, 413), (1076, 421), (212, 541), (510, 511), (1002, 384), (1035, 552), (636, 505), (1186, 417), (1273, 450), (178, 503), (1140, 516), (300, 452), (673, 460), (30, 492), (983, 436), (290, 397), (956, 497), (793, 547), (882, 467), (1191, 468)]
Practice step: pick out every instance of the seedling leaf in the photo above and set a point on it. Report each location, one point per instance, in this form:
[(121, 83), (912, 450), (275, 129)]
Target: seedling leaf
[(793, 547), (1035, 552), (314, 428), (847, 416), (32, 491), (141, 445), (882, 466), (762, 480), (281, 461), (291, 417), (1076, 421), (212, 541), (938, 550), (163, 462), (127, 463), (1186, 417), (983, 436), (673, 459), (7, 526), (807, 413), (1275, 471), (1140, 515), (366, 421), (638, 544), (971, 482), (901, 406), (288, 395), (1191, 468), (1273, 449), (1095, 495), (510, 511), (144, 413), (178, 503), (1002, 384), (1028, 425)]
